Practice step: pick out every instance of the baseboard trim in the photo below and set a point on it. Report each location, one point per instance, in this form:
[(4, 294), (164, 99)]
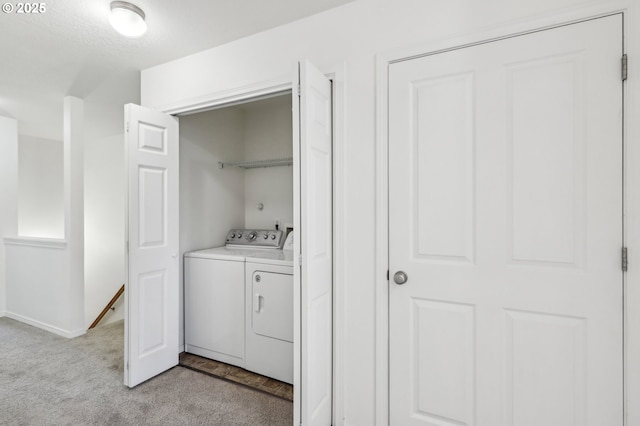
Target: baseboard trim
[(44, 326)]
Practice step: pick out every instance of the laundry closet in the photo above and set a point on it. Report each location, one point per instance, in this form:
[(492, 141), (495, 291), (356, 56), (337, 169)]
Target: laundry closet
[(186, 193), (236, 176)]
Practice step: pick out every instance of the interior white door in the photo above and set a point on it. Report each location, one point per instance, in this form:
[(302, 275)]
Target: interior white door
[(505, 213), (151, 290), (313, 218)]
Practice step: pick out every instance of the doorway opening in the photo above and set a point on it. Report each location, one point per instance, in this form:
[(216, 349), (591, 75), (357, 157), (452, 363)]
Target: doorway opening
[(155, 243), (236, 174)]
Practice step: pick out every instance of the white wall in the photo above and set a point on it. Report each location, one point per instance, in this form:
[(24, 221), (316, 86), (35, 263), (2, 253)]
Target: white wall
[(350, 37), (73, 126), (92, 241), (45, 276), (41, 191), (104, 192), (38, 285), (211, 199), (8, 195), (268, 135), (104, 223)]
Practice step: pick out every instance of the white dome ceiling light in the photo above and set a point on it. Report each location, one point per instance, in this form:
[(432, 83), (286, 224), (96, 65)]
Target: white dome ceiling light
[(127, 19)]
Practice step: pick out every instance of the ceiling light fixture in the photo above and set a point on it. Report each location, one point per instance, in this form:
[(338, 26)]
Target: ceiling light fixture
[(127, 19)]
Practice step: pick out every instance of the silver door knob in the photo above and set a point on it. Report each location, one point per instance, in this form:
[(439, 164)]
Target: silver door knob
[(400, 277)]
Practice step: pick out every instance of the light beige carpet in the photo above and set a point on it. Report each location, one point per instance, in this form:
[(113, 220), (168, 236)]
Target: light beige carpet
[(49, 380)]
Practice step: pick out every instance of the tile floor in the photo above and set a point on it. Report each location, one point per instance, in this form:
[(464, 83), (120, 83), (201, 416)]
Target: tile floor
[(237, 375)]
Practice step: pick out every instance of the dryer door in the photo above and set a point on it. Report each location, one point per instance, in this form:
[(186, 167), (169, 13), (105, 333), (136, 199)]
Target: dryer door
[(272, 305)]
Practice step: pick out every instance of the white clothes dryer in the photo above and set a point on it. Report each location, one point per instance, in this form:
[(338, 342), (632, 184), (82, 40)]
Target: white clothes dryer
[(269, 314)]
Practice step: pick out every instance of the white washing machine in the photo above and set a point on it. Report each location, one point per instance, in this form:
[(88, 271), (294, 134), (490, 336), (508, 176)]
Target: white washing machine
[(215, 294), (269, 314)]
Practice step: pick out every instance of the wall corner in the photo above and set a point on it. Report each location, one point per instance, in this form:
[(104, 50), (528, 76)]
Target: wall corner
[(74, 206)]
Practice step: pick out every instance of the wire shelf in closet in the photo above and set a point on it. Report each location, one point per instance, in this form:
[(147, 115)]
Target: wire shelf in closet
[(258, 163)]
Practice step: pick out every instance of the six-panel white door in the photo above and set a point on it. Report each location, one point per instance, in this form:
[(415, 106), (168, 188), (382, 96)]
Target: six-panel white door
[(152, 287), (505, 213)]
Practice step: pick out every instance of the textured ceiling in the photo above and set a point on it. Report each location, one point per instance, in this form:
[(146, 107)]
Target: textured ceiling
[(71, 49)]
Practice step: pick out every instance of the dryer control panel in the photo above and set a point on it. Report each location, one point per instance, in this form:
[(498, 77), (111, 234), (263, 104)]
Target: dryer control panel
[(260, 238)]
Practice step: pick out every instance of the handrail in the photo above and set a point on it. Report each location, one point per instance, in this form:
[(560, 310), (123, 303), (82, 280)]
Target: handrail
[(106, 308)]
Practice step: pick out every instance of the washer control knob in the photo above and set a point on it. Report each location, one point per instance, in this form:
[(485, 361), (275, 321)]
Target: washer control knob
[(273, 237), (233, 235), (265, 236), (252, 236)]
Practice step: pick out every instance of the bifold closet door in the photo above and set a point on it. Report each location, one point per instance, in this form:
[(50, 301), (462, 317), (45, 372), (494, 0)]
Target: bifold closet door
[(313, 221), (152, 287)]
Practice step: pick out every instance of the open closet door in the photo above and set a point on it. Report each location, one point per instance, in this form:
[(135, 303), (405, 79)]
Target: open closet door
[(152, 287), (312, 137)]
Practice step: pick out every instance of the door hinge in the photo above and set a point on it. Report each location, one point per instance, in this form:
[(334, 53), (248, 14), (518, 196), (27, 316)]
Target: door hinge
[(300, 260), (625, 259), (127, 127), (299, 91), (624, 67), (387, 275)]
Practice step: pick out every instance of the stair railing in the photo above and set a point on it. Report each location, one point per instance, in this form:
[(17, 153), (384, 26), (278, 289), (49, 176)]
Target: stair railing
[(109, 306)]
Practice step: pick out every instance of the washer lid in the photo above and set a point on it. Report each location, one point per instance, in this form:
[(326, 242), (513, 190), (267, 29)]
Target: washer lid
[(222, 253)]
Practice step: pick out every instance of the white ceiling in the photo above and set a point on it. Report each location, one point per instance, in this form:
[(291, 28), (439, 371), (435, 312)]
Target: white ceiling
[(72, 50)]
